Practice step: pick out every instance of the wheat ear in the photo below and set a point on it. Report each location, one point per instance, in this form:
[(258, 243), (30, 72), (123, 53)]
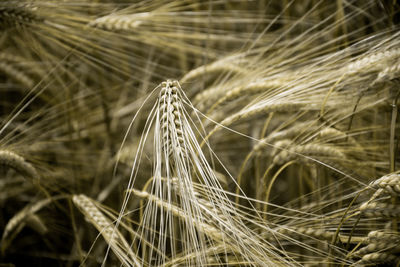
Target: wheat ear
[(376, 258), (10, 57), (178, 155), (221, 66), (21, 62), (18, 163), (248, 89), (17, 75), (380, 241), (206, 96), (209, 230), (390, 183), (121, 22), (255, 111), (327, 134), (379, 247), (290, 133), (310, 150), (388, 73), (383, 210), (221, 237), (319, 234), (383, 236), (182, 259), (106, 228), (373, 61), (17, 14), (21, 216)]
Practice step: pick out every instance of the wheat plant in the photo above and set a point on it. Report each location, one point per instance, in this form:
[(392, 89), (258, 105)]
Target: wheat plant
[(199, 133)]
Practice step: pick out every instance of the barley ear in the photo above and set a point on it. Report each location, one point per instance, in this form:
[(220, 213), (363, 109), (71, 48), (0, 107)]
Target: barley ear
[(16, 223), (12, 160), (17, 75), (113, 237), (17, 15)]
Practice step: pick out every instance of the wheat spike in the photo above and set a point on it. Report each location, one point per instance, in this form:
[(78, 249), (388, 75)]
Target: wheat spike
[(18, 163), (251, 112), (10, 57), (389, 73), (288, 134), (373, 61), (19, 61), (17, 14), (220, 66), (377, 257), (182, 259), (178, 155), (381, 246), (330, 134), (376, 209), (115, 22), (383, 236), (390, 183), (380, 241), (203, 227), (319, 234), (311, 150), (21, 216), (326, 134), (17, 75), (249, 89), (221, 237), (203, 98), (171, 120), (106, 228)]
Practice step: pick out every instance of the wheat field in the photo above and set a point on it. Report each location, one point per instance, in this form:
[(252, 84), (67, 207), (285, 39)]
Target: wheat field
[(199, 133)]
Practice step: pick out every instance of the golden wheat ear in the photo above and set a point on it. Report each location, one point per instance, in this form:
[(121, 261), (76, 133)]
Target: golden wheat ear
[(175, 218), (17, 75), (12, 14), (105, 226), (26, 216), (12, 160)]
